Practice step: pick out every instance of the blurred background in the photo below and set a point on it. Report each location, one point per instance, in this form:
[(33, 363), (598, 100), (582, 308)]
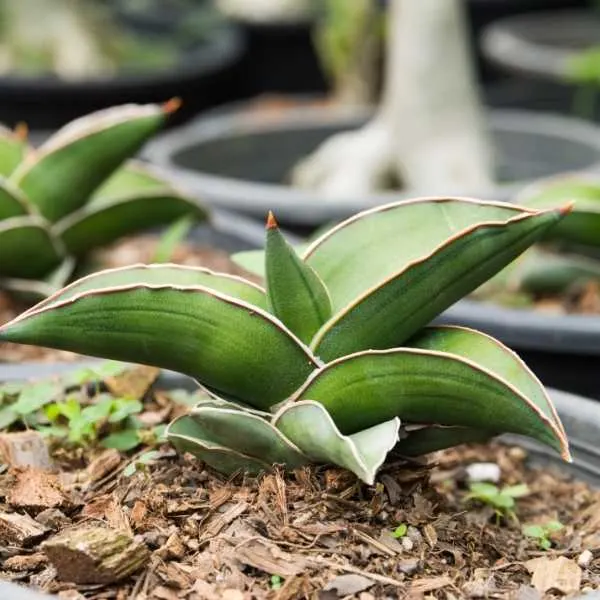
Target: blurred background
[(63, 58)]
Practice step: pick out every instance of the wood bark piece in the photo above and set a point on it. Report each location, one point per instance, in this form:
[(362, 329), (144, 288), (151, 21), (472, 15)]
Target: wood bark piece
[(561, 574), (20, 529), (133, 383), (53, 519), (98, 555), (104, 464), (349, 584), (35, 490), (25, 562), (25, 448), (267, 557)]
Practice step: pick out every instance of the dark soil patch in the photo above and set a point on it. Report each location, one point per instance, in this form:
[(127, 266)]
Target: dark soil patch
[(313, 533), (138, 249)]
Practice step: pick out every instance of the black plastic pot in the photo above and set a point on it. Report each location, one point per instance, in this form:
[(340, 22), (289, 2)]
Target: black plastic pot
[(239, 159), (579, 415), (535, 50), (563, 350), (535, 94), (280, 58), (203, 78)]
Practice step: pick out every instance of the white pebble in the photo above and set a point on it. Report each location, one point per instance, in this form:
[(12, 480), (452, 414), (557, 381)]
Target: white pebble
[(407, 544), (483, 472), (585, 558)]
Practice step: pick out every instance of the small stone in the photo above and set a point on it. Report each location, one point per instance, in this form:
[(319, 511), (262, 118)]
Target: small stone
[(349, 584), (414, 535), (489, 472), (517, 453), (409, 566), (407, 544), (585, 558)]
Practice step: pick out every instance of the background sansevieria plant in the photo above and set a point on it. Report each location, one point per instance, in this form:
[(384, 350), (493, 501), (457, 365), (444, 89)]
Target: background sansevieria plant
[(568, 257), (333, 361), (77, 192)]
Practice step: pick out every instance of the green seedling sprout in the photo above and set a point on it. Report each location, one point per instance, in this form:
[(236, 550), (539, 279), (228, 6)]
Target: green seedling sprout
[(502, 500), (543, 532)]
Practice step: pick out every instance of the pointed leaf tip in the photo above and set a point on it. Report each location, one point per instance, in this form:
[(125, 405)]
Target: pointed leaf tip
[(271, 221), (172, 105), (21, 131), (567, 208)]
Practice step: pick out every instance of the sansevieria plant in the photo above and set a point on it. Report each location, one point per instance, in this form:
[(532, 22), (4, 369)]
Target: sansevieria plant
[(75, 192), (333, 360)]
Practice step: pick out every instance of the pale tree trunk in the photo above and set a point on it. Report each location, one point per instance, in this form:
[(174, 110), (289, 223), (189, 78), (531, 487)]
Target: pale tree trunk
[(429, 130)]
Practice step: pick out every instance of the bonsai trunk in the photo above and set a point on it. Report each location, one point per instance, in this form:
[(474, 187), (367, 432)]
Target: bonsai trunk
[(428, 133)]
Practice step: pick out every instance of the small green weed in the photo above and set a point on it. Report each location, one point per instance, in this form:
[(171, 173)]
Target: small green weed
[(140, 463), (400, 531), (543, 532), (75, 409), (276, 582), (85, 425), (502, 500)]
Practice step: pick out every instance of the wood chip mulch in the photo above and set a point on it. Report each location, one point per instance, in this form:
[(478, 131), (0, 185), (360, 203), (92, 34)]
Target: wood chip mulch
[(178, 531)]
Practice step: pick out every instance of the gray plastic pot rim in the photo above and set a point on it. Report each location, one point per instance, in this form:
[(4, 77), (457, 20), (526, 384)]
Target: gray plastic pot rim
[(506, 43), (527, 329), (310, 208)]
